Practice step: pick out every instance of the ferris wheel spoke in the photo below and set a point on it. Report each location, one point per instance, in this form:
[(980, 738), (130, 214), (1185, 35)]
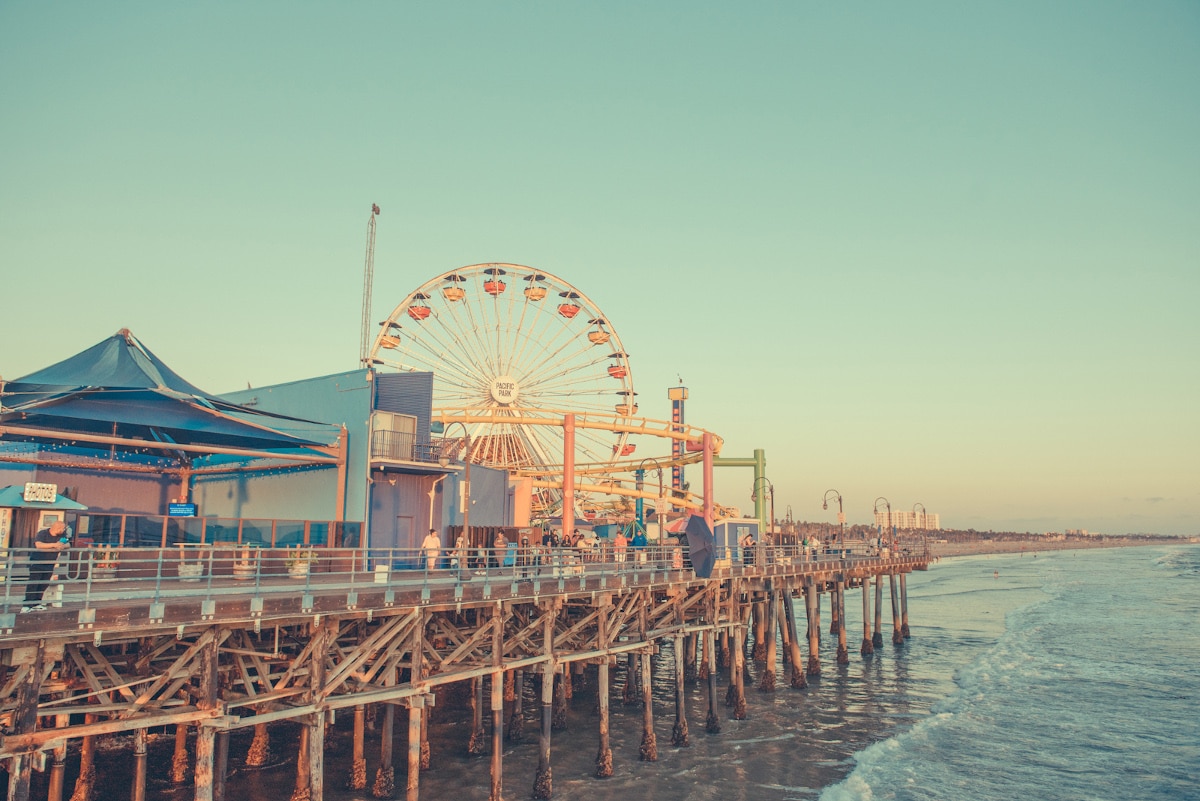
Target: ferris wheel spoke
[(551, 358), (504, 355)]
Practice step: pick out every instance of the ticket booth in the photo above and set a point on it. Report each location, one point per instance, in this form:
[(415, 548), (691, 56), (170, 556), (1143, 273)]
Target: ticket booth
[(25, 509), (729, 534)]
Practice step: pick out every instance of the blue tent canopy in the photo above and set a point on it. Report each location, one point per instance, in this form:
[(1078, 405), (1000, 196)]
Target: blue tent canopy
[(118, 389)]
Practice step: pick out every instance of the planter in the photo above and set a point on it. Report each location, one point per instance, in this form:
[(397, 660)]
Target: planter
[(191, 571), (299, 570), (104, 573), (243, 571)]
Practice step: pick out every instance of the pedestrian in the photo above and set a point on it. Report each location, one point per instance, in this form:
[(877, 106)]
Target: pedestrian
[(48, 544), (458, 556), (748, 549), (431, 546), (620, 543), (499, 546)]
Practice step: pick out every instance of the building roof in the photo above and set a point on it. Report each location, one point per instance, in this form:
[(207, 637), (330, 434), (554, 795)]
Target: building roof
[(119, 390)]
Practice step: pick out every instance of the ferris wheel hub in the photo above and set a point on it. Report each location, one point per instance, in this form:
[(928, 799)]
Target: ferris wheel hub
[(504, 390)]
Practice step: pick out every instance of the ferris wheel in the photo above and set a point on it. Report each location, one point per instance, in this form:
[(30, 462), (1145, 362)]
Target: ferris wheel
[(509, 348)]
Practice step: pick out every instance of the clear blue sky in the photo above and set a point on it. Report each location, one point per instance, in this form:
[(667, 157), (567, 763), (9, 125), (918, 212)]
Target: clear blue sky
[(944, 253)]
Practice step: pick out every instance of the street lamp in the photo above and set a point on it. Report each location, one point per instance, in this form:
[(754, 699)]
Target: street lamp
[(771, 491), (921, 518), (841, 514), (889, 514), (444, 461), (639, 477)]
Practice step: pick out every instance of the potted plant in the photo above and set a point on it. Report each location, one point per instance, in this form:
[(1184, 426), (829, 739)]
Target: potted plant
[(245, 564), (300, 561), (189, 571), (104, 563)]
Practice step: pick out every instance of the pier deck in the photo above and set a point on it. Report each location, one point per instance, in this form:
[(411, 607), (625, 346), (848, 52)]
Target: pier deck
[(221, 653)]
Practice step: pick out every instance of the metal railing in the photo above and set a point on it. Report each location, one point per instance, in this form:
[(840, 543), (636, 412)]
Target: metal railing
[(103, 574)]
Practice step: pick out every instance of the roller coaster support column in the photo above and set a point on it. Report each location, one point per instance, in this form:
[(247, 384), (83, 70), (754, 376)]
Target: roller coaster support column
[(708, 477), (568, 493), (759, 463), (639, 505)]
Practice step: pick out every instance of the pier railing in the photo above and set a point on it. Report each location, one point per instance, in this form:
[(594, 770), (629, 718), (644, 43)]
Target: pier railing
[(104, 574)]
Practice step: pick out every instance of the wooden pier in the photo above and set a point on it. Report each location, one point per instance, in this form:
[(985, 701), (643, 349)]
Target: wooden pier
[(224, 653)]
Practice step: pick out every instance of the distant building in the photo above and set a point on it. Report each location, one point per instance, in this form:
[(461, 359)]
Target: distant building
[(909, 520)]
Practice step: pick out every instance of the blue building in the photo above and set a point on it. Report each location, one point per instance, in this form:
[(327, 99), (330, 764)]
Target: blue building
[(396, 484)]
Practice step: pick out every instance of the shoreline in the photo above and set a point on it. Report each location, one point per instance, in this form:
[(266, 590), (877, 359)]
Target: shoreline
[(987, 547)]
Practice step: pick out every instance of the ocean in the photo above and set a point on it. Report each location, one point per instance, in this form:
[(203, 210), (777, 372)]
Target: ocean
[(1060, 675)]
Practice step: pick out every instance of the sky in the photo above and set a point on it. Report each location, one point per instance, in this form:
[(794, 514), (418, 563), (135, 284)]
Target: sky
[(934, 252)]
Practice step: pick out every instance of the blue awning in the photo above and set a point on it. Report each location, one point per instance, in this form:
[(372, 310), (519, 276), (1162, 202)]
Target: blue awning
[(13, 498)]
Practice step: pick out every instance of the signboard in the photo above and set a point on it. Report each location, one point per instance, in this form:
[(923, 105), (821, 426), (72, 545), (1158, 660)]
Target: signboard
[(181, 510), (40, 493)]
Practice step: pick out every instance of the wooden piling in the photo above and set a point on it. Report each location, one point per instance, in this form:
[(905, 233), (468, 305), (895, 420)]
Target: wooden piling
[(559, 682), (85, 784), (58, 767), (208, 659), (797, 679), (877, 636), (631, 694), (759, 653), (866, 649), (516, 719), (416, 717), (259, 752), (604, 757), (24, 721), (904, 606), (385, 774), (475, 746), (738, 673), (897, 635), (358, 762), (766, 682), (180, 759), (648, 751), (543, 782), (679, 734), (221, 766), (839, 603), (812, 601), (497, 763), (835, 612), (139, 767), (712, 723)]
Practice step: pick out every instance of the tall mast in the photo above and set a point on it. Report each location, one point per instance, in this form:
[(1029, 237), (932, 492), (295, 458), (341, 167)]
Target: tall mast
[(364, 344)]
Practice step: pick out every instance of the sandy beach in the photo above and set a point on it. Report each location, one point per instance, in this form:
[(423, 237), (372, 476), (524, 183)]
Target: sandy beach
[(1032, 545)]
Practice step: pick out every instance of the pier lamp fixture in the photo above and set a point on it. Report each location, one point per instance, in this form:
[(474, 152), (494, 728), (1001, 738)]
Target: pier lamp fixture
[(444, 461), (922, 518), (888, 503), (841, 514), (771, 491), (640, 475)]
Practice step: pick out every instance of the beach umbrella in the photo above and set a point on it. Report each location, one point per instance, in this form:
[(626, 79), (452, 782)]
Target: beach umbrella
[(701, 546)]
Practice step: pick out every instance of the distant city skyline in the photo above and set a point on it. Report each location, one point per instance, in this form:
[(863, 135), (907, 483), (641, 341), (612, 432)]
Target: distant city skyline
[(939, 253)]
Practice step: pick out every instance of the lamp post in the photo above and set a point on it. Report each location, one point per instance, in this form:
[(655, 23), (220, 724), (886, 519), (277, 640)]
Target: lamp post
[(841, 514), (754, 497), (889, 514), (921, 518), (444, 461), (639, 477)]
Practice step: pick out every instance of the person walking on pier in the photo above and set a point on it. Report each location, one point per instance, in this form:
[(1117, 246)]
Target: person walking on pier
[(48, 544), (432, 547)]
